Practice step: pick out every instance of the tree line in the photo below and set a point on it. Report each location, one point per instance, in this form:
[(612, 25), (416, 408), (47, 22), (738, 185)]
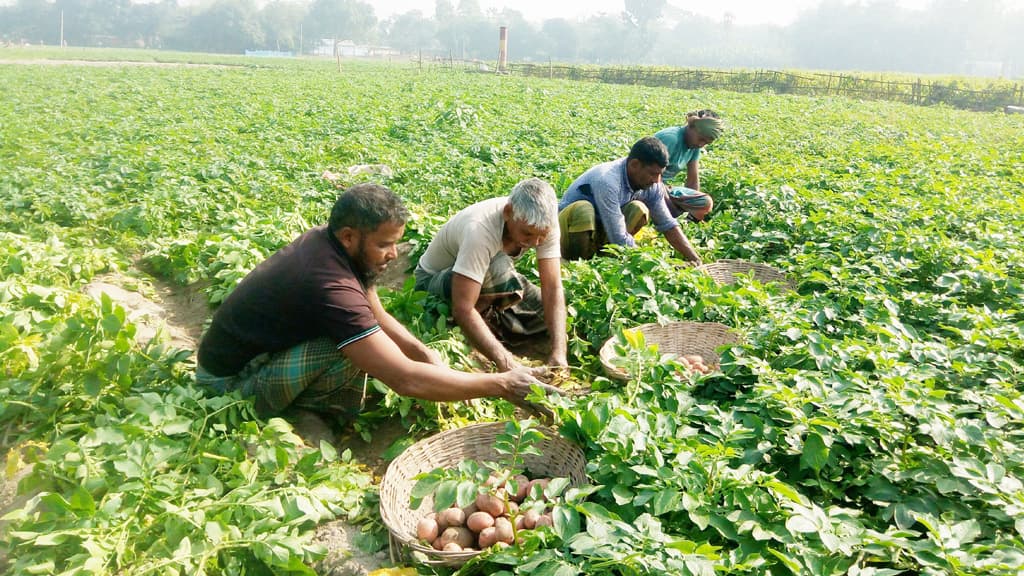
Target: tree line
[(949, 36)]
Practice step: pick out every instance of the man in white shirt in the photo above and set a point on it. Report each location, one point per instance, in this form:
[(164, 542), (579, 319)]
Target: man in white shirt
[(470, 263)]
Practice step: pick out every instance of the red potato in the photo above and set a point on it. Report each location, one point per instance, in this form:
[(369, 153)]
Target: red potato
[(426, 529), (436, 544), (503, 530), (491, 504), (543, 520), (693, 359), (453, 517), (522, 487), (488, 537), (459, 535), (542, 483), (452, 547), (513, 508), (530, 519), (477, 521)]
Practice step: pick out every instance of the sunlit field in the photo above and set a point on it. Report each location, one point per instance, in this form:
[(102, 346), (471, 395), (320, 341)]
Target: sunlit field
[(870, 423)]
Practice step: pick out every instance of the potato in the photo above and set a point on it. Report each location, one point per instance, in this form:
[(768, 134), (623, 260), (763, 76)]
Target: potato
[(693, 359), (436, 544), (530, 519), (477, 521), (453, 517), (488, 536), (459, 535), (426, 529), (503, 530), (491, 504), (542, 483), (523, 486), (543, 520), (442, 523), (452, 547), (513, 508)]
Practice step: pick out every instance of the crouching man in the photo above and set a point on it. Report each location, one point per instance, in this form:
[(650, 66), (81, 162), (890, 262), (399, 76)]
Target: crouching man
[(304, 327), (470, 263)]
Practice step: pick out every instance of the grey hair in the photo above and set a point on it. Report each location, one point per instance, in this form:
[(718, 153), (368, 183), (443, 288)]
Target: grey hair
[(533, 201)]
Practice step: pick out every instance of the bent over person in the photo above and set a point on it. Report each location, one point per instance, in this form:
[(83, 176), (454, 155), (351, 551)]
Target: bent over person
[(611, 202), (470, 264), (304, 326), (684, 144)]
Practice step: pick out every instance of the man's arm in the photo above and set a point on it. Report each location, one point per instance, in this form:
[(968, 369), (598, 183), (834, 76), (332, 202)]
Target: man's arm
[(553, 297), (465, 293), (681, 243), (380, 357), (693, 175), (609, 212), (406, 342)]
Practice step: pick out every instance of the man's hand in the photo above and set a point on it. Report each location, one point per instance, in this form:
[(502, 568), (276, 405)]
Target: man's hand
[(434, 357), (520, 383), (557, 361)]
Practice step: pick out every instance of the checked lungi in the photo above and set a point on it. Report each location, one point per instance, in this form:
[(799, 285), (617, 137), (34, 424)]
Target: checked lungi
[(313, 375), (509, 303)]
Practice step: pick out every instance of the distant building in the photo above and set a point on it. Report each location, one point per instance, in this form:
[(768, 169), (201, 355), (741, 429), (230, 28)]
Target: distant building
[(348, 48)]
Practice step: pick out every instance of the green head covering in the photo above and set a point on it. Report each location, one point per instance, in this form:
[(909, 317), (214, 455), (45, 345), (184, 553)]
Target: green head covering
[(709, 127)]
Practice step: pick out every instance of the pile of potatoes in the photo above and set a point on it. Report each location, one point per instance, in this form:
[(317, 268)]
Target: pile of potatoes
[(695, 363), (486, 522)]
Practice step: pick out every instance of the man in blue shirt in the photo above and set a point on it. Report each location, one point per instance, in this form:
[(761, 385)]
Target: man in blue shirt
[(612, 201), (684, 144)]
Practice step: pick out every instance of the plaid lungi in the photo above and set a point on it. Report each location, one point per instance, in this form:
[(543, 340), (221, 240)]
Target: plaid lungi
[(313, 375), (508, 301), (693, 203), (582, 233)]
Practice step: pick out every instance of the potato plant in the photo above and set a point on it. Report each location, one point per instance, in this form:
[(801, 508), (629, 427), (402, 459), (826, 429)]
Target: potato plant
[(870, 423)]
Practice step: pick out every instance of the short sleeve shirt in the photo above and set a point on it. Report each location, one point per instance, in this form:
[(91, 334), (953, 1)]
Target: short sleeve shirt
[(471, 238), (679, 155), (306, 290), (607, 187)]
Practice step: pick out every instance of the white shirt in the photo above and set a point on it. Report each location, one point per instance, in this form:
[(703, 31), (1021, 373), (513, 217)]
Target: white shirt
[(471, 238)]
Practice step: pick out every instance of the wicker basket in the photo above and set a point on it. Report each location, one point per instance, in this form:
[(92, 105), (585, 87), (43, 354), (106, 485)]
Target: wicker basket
[(558, 458), (725, 272), (678, 338)]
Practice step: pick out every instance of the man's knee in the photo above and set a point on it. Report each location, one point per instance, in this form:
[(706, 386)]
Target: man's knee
[(636, 215)]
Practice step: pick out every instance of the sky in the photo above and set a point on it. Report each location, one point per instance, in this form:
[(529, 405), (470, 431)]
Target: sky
[(744, 12)]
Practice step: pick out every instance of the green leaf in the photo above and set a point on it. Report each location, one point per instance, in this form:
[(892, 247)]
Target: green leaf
[(815, 454), (445, 494), (565, 521)]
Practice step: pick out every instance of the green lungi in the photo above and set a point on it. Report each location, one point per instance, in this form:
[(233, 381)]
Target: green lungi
[(583, 235), (313, 375)]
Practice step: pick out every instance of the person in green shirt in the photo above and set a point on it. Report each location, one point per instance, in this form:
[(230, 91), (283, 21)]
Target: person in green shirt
[(684, 144)]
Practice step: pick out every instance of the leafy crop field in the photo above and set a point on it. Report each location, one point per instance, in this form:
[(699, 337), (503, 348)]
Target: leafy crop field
[(872, 423)]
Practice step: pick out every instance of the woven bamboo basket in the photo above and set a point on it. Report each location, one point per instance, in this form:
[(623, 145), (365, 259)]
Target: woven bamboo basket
[(558, 458), (678, 338), (725, 272)]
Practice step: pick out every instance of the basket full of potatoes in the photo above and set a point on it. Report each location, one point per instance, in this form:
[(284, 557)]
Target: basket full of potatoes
[(451, 496)]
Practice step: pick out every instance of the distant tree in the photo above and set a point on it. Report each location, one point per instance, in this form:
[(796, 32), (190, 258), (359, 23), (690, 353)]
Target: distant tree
[(642, 13), (280, 21), (226, 26), (341, 19), (559, 40), (30, 21), (411, 31), (603, 40)]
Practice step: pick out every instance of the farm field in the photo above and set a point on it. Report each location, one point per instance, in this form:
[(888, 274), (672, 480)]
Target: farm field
[(871, 423)]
